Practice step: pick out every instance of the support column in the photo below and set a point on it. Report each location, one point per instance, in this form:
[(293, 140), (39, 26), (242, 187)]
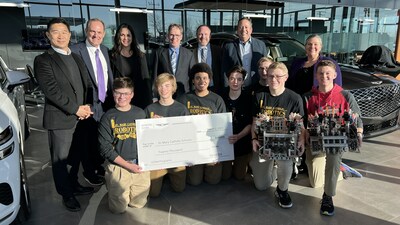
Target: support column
[(397, 49)]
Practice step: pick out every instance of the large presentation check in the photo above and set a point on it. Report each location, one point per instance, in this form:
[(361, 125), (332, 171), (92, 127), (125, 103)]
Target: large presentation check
[(182, 141)]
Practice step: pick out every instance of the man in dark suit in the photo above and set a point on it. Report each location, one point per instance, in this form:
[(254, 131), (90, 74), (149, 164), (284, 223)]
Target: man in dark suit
[(63, 78), (210, 54), (97, 61), (175, 60), (244, 51)]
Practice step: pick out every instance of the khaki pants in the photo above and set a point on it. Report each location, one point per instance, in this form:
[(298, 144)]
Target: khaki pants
[(126, 188), (264, 175), (211, 173), (238, 167), (324, 169), (177, 176)]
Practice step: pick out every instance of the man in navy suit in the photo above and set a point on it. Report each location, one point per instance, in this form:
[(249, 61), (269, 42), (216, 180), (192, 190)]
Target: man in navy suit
[(210, 54), (174, 60), (97, 61), (244, 51), (63, 78)]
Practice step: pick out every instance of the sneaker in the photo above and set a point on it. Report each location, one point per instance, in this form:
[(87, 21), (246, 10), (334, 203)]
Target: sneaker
[(284, 198), (94, 180), (348, 171), (327, 207)]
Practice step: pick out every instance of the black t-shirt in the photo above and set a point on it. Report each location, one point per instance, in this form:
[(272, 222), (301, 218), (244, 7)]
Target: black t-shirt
[(211, 103), (281, 105), (176, 109), (241, 117)]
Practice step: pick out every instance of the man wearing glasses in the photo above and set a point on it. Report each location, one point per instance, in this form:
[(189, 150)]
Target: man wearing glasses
[(275, 101), (174, 60)]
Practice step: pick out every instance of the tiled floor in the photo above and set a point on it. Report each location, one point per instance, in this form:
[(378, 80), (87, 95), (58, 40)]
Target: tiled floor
[(373, 199)]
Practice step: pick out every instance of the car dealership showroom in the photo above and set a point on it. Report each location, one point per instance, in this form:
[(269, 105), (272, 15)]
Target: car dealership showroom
[(71, 155)]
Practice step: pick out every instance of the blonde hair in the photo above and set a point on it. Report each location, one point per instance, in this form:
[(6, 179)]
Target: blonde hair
[(264, 59), (164, 77), (278, 65)]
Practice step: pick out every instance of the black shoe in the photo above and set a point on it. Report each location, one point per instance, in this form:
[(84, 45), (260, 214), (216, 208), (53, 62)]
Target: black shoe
[(284, 198), (327, 207), (80, 190), (94, 180), (71, 204)]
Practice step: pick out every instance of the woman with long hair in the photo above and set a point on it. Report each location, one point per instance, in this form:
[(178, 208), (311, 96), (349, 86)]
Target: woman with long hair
[(127, 60)]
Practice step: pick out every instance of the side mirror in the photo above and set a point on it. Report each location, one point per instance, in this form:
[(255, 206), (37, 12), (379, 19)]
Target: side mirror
[(16, 78)]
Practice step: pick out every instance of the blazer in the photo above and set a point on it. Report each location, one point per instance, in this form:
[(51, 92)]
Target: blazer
[(55, 80), (231, 57), (218, 78), (162, 64), (98, 107)]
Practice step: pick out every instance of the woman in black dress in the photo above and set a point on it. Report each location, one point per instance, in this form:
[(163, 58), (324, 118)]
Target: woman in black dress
[(128, 61)]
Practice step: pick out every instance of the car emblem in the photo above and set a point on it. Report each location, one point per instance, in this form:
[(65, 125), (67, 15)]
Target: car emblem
[(376, 82)]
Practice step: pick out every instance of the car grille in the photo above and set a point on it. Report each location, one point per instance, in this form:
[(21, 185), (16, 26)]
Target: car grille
[(378, 101), (369, 128), (6, 196)]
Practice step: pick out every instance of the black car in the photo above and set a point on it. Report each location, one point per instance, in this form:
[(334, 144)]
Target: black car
[(377, 95)]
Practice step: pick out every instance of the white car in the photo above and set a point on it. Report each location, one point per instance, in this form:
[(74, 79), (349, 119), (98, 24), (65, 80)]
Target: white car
[(14, 196)]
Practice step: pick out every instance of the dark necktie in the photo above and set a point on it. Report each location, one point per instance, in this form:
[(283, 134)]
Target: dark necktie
[(204, 54), (100, 78)]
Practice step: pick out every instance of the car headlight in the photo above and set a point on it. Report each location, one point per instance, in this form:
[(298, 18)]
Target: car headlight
[(5, 136)]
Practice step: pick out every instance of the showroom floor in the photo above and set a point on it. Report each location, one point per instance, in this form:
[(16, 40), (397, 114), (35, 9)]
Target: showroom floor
[(373, 199)]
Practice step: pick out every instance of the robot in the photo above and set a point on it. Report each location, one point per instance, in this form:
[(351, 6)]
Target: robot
[(279, 136), (331, 133)]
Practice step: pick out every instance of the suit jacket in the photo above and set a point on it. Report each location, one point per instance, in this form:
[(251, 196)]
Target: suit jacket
[(218, 78), (98, 107), (56, 82), (162, 64), (231, 57)]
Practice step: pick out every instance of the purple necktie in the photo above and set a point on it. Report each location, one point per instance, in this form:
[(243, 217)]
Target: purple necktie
[(100, 78)]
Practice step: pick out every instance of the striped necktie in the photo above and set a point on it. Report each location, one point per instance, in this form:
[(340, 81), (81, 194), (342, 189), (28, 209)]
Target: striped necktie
[(173, 61), (204, 54)]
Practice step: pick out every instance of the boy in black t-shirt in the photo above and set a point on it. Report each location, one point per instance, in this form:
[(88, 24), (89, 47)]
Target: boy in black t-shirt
[(126, 183), (275, 100)]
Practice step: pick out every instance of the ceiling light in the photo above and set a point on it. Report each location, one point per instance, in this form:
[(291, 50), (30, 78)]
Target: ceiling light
[(252, 15), (18, 5), (317, 18), (131, 10)]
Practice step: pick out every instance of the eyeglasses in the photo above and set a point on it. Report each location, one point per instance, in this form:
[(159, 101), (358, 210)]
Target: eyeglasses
[(174, 35), (276, 77), (122, 94)]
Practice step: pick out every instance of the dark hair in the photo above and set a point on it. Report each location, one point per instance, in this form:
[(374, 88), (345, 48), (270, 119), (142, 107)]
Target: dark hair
[(123, 82), (326, 62), (245, 18), (200, 68), (92, 20), (116, 49), (237, 69), (203, 25), (57, 20)]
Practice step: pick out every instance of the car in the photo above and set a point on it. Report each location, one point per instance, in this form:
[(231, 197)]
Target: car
[(378, 95), (15, 202)]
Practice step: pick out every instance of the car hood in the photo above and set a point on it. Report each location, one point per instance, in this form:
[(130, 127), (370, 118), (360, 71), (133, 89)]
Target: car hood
[(356, 78)]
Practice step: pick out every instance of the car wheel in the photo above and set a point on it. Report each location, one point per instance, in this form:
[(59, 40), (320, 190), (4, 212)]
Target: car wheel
[(27, 130), (25, 200)]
